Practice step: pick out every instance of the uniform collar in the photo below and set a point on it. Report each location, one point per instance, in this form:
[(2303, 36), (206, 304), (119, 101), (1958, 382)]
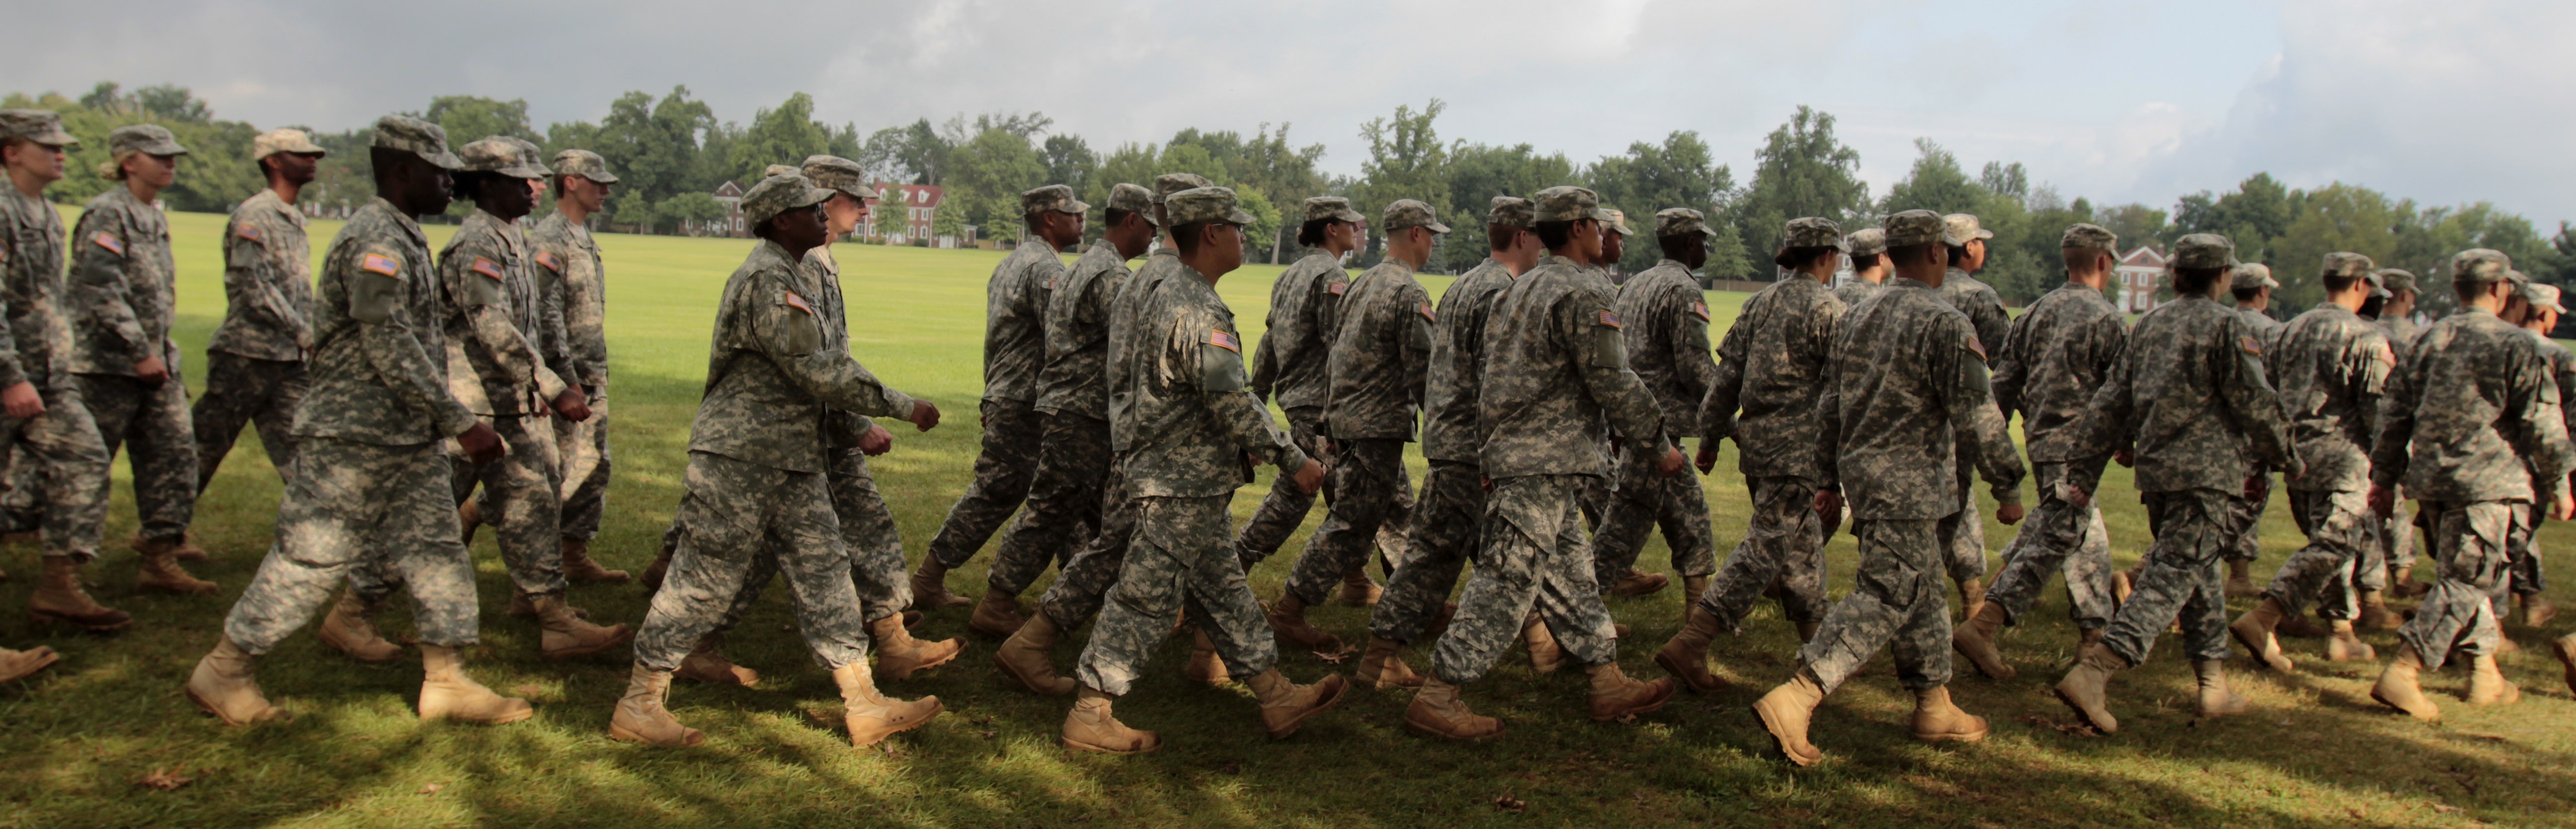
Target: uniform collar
[(1906, 282), (409, 224)]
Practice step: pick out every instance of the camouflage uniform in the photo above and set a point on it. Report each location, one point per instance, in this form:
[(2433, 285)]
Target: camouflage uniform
[(1443, 532), (1292, 366), (1773, 368), (1556, 377), (2331, 368), (2528, 578), (1380, 357), (1669, 351), (2245, 514), (1015, 350), (255, 370), (1193, 423), (1906, 385), (570, 280), (756, 482), (2057, 354), (1963, 535), (2474, 429), (370, 487), (1863, 242), (121, 309), (1069, 494), (2189, 394), (59, 451)]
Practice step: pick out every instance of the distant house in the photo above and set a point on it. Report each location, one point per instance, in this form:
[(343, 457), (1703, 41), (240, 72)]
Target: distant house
[(730, 195), (2136, 277), (903, 214)]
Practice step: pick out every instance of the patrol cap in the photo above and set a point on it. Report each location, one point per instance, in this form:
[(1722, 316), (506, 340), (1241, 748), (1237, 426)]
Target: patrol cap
[(1407, 213), (780, 170), (1331, 208), (502, 155), (148, 139), (1168, 183), (583, 163), (2378, 289), (2088, 235), (1619, 222), (1567, 203), (415, 136), (1205, 204), (1867, 241), (1913, 227), (832, 172), (2543, 296), (1681, 221), (273, 142), (1809, 232), (779, 194), (2396, 280), (1133, 199), (2480, 265), (1053, 197), (43, 126), (2345, 263), (1512, 211), (2203, 250), (1963, 228), (2252, 275)]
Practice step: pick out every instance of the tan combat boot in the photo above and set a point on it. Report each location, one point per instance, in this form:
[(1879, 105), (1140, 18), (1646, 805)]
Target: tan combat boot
[(2566, 648), (161, 570), (1694, 587), (1288, 620), (2216, 699), (2302, 626), (1545, 656), (1639, 583), (349, 629), (1205, 667), (930, 586), (643, 717), (2254, 631), (1382, 666), (2240, 579), (2487, 685), (1437, 711), (2086, 637), (17, 665), (1975, 640), (1807, 631), (187, 549), (1029, 656), (899, 656), (563, 634), (997, 616), (446, 693), (2401, 687), (706, 664), (1286, 705), (2374, 612), (59, 598), (2086, 688), (1616, 698), (1936, 720), (2537, 610), (1686, 655), (1358, 590), (225, 686), (580, 569), (2345, 645), (655, 572), (872, 717), (1786, 713), (2404, 586), (1972, 597), (1089, 727), (469, 519)]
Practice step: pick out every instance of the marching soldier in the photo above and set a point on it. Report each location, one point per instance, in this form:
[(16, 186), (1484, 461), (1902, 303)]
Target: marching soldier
[(2543, 307), (2390, 568), (255, 366), (572, 285), (1868, 265), (1667, 342), (1963, 535), (1291, 367), (2252, 285)]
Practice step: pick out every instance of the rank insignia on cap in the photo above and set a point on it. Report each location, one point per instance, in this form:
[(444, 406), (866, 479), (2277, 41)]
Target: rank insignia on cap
[(1338, 287), (1610, 320), (380, 263), (798, 302), (2250, 345), (247, 231), (1225, 341), (111, 243), (487, 267), (1977, 345), (547, 258), (1700, 310)]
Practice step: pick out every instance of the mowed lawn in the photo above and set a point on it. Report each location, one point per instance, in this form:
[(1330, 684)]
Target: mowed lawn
[(75, 740)]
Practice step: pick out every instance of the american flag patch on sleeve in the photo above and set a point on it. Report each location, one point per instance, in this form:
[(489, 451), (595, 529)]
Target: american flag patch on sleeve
[(487, 267), (1338, 287), (1700, 310), (380, 263), (247, 231), (1610, 320), (111, 243), (1977, 345), (798, 302), (1424, 308), (547, 258), (1225, 341), (2250, 345)]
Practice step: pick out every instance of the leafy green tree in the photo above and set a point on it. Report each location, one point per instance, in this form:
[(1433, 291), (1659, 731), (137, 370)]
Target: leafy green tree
[(1406, 161), (1476, 174), (216, 174), (693, 206), (1936, 184), (1801, 170), (1726, 256), (1680, 172), (653, 147), (2338, 217), (2135, 224), (469, 118), (1069, 162), (785, 135), (986, 176)]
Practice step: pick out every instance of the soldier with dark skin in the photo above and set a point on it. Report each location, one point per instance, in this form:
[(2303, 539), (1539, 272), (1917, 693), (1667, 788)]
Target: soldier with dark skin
[(1292, 367), (2389, 570), (1964, 537), (255, 365), (1667, 341)]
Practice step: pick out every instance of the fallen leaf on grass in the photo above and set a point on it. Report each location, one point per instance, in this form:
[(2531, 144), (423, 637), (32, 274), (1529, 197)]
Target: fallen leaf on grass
[(432, 788), (1336, 657), (164, 779), (529, 690), (2446, 809), (1508, 804), (988, 734), (2079, 729)]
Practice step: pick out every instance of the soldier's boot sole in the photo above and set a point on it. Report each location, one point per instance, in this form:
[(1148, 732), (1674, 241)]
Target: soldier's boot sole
[(2258, 640), (1282, 722), (570, 645), (1787, 720), (872, 727)]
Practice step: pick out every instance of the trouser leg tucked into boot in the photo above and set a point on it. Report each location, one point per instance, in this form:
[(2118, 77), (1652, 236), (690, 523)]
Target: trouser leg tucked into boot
[(351, 629), (1287, 705), (1028, 656), (1976, 641), (1382, 666), (2401, 687), (1787, 711), (2086, 688), (2254, 630), (1437, 711), (899, 655), (446, 693), (872, 717), (642, 717), (2216, 699), (1616, 698), (59, 598), (1936, 719), (1686, 656), (225, 686), (997, 616)]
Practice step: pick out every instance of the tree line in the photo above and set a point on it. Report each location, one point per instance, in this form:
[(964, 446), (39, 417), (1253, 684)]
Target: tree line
[(672, 152)]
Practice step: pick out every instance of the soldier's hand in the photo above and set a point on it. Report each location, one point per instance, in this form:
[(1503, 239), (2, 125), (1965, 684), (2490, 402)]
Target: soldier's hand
[(1310, 477), (925, 415), (571, 404), (2563, 508), (1707, 459), (21, 400), (1672, 462), (1485, 483), (2125, 458), (2253, 487), (877, 441), (2382, 501), (151, 370), (1829, 507), (2009, 514), (482, 445)]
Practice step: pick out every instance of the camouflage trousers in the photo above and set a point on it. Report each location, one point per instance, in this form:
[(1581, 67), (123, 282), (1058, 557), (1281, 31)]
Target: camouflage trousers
[(1899, 603), (1284, 509), (1643, 501), (1002, 474), (2245, 520), (352, 508), (1083, 583), (2470, 546), (2397, 546), (1182, 562), (153, 421), (1373, 501), (519, 501), (57, 475), (1784, 542), (1442, 534), (2060, 537), (1963, 534), (241, 391), (1533, 554), (2339, 526), (582, 451), (2182, 578), (732, 513), (2526, 579), (1594, 498), (877, 568), (1064, 505)]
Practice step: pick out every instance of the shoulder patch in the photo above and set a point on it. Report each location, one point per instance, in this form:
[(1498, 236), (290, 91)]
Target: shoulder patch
[(110, 242), (797, 302), (1977, 345), (2250, 345), (1424, 308), (247, 230), (1700, 310), (1609, 320), (1338, 286), (2386, 354), (1052, 282), (547, 258), (1225, 341), (487, 267), (380, 263)]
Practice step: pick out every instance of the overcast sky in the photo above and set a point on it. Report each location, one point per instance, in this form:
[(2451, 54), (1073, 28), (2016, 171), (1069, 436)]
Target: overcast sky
[(2443, 102)]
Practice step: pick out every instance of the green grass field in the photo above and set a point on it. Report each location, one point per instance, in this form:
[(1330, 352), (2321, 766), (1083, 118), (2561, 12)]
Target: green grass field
[(75, 740)]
